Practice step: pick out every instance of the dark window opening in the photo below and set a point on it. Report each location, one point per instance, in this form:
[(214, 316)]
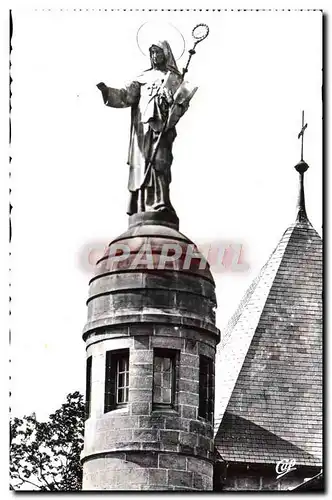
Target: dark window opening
[(88, 387), (116, 379), (206, 388), (163, 378)]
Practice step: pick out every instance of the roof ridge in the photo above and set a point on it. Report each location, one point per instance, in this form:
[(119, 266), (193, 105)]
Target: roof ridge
[(248, 293), (231, 341), (250, 290)]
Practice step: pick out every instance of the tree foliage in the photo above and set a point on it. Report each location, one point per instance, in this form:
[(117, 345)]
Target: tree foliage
[(45, 456)]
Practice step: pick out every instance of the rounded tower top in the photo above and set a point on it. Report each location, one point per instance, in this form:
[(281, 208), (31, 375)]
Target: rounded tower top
[(152, 273)]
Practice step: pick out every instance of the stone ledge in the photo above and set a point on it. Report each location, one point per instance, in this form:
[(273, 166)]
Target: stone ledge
[(138, 447), (159, 319), (162, 218)]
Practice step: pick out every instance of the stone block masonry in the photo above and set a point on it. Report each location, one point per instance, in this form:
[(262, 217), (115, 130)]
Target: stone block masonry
[(147, 470), (148, 426), (139, 447)]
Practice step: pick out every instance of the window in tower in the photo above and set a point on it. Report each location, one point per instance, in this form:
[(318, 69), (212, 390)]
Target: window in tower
[(206, 388), (163, 378), (116, 379), (88, 387)]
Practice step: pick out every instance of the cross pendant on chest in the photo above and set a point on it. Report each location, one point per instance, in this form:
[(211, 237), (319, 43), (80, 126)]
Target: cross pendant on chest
[(152, 88)]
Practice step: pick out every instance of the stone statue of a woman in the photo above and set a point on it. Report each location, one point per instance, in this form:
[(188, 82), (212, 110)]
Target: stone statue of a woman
[(158, 98)]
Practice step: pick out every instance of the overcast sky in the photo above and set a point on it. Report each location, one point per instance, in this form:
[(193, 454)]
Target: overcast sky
[(233, 175)]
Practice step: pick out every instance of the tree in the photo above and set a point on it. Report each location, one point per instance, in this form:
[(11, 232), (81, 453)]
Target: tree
[(46, 455)]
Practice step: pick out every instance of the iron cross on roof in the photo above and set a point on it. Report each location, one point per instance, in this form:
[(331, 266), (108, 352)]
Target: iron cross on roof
[(301, 134)]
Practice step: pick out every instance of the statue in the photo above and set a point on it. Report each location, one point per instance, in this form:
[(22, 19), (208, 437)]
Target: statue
[(158, 97)]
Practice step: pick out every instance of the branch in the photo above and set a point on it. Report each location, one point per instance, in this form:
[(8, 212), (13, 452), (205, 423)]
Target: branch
[(64, 463), (44, 477), (56, 482), (26, 481)]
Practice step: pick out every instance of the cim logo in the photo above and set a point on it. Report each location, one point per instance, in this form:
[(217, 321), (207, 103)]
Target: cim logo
[(284, 466)]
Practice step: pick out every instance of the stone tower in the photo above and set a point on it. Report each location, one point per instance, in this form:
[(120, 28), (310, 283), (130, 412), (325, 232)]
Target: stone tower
[(150, 341)]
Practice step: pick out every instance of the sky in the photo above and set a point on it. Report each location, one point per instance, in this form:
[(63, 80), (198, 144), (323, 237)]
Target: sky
[(232, 177)]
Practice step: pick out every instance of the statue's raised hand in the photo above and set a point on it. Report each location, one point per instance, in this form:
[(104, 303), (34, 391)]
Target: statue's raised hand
[(101, 86)]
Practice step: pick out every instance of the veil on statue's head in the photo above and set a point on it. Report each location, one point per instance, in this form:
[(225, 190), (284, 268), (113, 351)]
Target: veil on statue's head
[(163, 35), (170, 59)]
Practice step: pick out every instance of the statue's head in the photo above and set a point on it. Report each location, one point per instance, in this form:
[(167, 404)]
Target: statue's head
[(161, 57), (157, 57)]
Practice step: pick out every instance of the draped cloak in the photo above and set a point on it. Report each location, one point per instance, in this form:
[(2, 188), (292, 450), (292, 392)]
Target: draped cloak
[(148, 116)]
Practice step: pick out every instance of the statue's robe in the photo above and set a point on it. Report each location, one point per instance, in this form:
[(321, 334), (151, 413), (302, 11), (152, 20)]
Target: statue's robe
[(149, 187)]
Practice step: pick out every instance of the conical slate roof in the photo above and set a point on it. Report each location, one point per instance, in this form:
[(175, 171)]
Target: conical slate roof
[(269, 364)]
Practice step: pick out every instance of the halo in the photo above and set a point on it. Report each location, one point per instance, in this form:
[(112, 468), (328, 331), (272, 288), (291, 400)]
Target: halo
[(152, 32)]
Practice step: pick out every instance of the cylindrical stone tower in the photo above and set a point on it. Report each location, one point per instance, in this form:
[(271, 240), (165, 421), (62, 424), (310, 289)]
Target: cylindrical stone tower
[(151, 341)]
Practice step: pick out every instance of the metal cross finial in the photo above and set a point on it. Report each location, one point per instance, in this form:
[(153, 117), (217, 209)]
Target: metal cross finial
[(301, 134)]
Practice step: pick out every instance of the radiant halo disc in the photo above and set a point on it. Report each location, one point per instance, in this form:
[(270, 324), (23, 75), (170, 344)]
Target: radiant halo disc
[(152, 32)]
